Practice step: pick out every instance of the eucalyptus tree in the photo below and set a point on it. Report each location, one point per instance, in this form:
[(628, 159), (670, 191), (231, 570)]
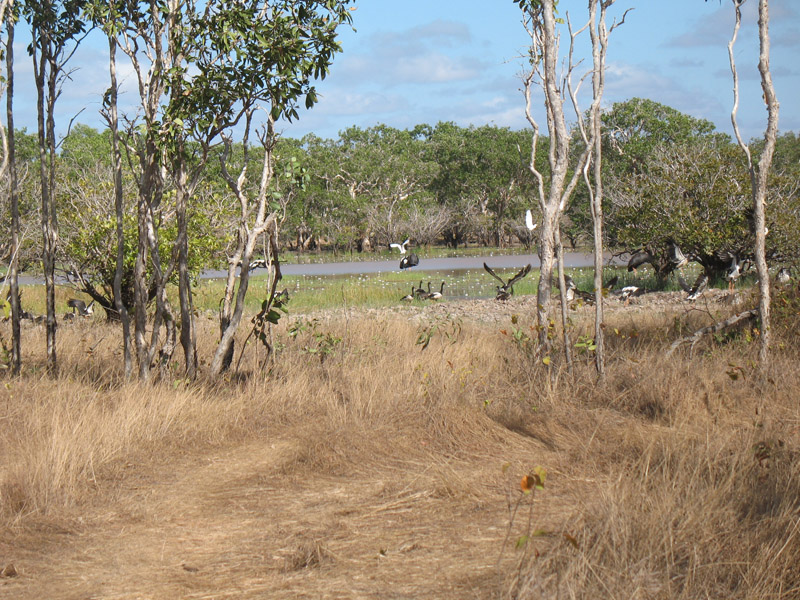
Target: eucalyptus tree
[(759, 174), (259, 55), (9, 167), (57, 27), (540, 20)]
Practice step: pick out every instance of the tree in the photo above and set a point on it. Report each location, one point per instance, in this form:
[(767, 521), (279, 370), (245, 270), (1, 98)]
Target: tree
[(759, 174), (8, 20), (56, 29), (539, 19), (483, 174), (281, 49)]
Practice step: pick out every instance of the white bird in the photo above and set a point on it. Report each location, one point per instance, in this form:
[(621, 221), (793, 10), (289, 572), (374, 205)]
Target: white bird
[(784, 275), (529, 220), (400, 247)]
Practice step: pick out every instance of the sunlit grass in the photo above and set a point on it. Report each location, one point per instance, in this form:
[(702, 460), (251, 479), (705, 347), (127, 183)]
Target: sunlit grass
[(373, 290)]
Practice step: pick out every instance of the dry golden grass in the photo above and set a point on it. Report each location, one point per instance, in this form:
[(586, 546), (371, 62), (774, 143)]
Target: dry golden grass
[(359, 465)]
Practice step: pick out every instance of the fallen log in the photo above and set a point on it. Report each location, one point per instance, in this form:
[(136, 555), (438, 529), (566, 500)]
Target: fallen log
[(697, 335)]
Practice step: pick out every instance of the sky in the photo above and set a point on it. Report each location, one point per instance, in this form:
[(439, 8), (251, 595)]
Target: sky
[(406, 62)]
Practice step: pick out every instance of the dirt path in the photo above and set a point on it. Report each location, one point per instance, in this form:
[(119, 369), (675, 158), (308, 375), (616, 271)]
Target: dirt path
[(237, 524)]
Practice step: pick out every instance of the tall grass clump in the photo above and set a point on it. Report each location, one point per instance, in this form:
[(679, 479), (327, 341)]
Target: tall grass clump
[(694, 470)]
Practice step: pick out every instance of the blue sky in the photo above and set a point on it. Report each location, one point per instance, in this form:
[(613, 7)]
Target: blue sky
[(423, 61)]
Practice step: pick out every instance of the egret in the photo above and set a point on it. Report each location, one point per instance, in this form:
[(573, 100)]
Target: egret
[(529, 220)]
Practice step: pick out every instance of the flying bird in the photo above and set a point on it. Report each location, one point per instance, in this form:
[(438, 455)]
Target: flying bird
[(76, 304), (506, 288), (695, 291), (400, 247), (676, 257), (529, 220), (638, 259)]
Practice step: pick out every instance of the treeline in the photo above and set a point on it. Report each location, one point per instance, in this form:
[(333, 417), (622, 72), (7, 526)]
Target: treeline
[(668, 177)]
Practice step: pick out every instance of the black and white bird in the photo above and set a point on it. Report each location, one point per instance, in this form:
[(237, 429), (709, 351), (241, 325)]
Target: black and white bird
[(400, 247), (677, 258), (733, 273), (412, 260), (506, 288), (784, 275), (695, 291), (76, 304), (569, 283), (630, 291), (638, 259), (260, 263), (410, 297), (435, 295), (420, 292)]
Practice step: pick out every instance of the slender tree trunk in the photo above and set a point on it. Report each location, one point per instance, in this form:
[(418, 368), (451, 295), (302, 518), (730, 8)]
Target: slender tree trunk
[(119, 304), (759, 175), (760, 193), (45, 98), (188, 341), (16, 346), (562, 286)]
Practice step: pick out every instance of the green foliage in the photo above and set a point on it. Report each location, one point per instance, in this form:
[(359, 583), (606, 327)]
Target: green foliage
[(321, 343), (243, 53), (448, 327)]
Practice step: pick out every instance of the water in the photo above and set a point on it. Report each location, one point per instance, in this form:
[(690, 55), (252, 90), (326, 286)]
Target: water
[(571, 260)]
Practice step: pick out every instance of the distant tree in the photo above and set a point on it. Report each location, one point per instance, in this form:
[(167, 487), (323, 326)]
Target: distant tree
[(486, 168)]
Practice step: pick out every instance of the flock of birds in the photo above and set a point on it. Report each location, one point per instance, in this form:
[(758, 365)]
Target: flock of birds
[(79, 310), (675, 256)]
